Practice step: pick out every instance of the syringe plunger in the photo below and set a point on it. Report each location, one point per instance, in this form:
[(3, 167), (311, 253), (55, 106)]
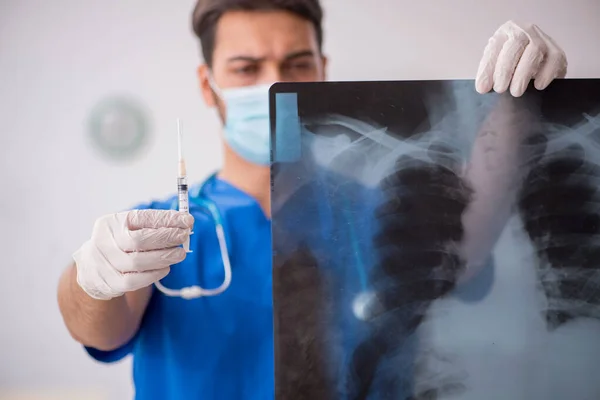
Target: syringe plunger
[(181, 166)]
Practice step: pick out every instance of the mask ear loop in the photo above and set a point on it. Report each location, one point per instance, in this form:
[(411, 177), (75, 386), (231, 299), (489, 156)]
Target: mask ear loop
[(213, 85), (217, 91)]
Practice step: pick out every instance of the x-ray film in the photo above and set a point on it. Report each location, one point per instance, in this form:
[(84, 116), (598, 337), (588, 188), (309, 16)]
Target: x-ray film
[(430, 242)]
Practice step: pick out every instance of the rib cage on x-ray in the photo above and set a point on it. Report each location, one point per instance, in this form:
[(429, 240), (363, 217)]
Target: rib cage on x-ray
[(560, 208), (420, 227), (417, 228), (410, 194)]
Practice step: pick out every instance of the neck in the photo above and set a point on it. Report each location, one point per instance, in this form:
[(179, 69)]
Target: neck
[(252, 179)]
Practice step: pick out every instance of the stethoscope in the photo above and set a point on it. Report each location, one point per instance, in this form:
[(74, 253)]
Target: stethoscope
[(193, 292)]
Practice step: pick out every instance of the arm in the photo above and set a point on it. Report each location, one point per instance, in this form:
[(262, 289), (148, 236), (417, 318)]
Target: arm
[(103, 295), (103, 325)]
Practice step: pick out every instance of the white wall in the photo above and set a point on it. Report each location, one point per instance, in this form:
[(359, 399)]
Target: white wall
[(57, 58)]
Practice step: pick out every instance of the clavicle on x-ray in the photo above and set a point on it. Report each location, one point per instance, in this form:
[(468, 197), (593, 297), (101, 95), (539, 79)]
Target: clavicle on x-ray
[(434, 243)]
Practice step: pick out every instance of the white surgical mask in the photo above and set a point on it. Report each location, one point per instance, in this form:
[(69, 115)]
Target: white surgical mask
[(247, 129)]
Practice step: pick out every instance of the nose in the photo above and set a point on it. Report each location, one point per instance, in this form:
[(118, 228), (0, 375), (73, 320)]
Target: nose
[(271, 73)]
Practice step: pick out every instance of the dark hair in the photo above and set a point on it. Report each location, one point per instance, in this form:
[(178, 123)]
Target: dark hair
[(207, 13)]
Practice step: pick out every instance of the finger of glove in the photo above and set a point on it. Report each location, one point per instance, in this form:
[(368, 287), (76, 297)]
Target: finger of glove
[(528, 65), (139, 219), (131, 281), (147, 239), (554, 65), (508, 59), (141, 261), (484, 80)]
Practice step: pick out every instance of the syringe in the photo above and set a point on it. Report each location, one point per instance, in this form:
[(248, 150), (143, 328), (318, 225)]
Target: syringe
[(182, 187)]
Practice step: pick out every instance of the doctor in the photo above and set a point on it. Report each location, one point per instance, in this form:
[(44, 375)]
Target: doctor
[(220, 345)]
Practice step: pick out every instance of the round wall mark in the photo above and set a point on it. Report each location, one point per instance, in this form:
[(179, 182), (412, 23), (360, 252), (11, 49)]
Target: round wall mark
[(119, 128)]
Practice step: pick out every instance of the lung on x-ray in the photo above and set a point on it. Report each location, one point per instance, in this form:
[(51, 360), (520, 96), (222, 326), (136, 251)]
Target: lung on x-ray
[(430, 242)]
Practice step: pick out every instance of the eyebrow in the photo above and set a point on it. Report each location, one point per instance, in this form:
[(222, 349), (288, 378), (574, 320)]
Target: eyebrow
[(288, 57), (299, 54)]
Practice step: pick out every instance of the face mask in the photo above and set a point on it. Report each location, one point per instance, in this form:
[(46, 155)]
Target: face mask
[(247, 129)]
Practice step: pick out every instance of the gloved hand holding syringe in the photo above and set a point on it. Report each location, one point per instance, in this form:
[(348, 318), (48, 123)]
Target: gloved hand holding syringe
[(133, 249)]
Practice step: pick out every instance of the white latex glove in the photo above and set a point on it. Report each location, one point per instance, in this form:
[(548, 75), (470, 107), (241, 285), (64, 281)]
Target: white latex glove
[(514, 55), (131, 250)]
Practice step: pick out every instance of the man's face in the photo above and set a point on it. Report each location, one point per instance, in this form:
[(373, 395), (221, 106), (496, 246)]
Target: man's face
[(261, 47)]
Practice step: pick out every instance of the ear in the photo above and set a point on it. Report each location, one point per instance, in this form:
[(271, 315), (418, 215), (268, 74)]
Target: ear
[(324, 61), (205, 88)]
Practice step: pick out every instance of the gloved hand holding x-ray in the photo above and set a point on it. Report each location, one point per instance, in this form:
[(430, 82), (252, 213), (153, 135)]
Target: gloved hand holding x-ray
[(431, 242), (515, 55)]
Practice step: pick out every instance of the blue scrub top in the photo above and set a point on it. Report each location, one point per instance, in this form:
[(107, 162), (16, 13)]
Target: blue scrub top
[(217, 347)]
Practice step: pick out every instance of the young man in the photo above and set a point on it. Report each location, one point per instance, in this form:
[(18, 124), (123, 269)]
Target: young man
[(220, 346)]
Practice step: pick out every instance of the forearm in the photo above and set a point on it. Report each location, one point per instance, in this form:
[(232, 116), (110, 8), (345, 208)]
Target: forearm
[(102, 324)]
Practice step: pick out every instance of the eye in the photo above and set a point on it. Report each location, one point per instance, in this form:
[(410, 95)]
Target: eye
[(247, 69), (300, 65)]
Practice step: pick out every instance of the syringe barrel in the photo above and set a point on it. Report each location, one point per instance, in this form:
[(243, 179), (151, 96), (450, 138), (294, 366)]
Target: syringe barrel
[(182, 193)]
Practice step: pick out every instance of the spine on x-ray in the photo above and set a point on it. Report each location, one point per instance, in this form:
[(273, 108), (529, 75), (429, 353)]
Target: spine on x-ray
[(494, 174)]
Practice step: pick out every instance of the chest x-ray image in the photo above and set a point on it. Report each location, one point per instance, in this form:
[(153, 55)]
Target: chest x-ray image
[(433, 243)]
